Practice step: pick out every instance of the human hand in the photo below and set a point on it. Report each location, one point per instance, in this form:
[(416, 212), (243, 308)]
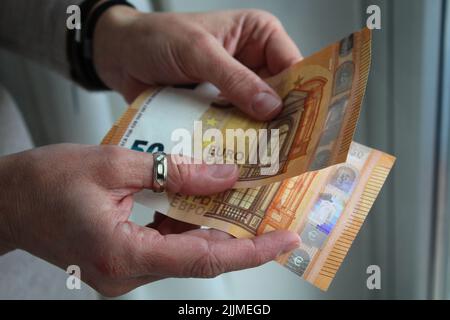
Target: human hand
[(231, 49), (70, 205)]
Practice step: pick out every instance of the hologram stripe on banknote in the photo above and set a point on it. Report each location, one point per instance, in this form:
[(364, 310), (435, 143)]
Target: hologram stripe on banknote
[(322, 97), (335, 213)]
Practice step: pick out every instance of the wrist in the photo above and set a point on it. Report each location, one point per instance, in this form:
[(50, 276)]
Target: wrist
[(8, 205), (108, 40)]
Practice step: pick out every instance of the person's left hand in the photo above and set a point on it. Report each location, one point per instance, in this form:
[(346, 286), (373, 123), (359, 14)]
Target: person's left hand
[(70, 205), (231, 49)]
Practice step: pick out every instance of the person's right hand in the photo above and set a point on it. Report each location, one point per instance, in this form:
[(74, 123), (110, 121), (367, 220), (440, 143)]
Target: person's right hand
[(231, 49), (70, 204)]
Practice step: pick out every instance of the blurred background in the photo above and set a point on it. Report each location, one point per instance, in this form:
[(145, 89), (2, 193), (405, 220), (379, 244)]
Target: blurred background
[(406, 112)]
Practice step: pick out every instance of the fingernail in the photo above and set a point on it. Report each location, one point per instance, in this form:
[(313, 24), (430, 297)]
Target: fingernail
[(292, 244), (265, 103), (221, 170)]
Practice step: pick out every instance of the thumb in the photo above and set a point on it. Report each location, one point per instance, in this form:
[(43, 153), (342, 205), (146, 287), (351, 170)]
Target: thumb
[(199, 179), (135, 169), (238, 84)]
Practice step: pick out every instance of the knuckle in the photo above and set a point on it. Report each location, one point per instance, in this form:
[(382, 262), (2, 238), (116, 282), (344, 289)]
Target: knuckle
[(234, 81), (111, 270), (275, 24), (197, 47), (180, 176), (172, 18), (257, 254), (150, 258), (111, 153), (199, 40), (254, 13), (107, 279), (265, 18), (109, 161), (257, 13), (207, 265)]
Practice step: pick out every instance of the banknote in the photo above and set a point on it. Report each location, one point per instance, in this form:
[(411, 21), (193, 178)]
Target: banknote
[(325, 207), (321, 96)]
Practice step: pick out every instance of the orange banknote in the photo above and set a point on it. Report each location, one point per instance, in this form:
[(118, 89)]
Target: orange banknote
[(325, 207), (321, 95)]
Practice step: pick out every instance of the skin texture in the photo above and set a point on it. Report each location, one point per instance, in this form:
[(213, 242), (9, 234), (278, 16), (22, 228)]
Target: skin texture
[(229, 49), (70, 204)]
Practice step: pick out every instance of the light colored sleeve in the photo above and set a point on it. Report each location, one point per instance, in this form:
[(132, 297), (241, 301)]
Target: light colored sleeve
[(37, 29)]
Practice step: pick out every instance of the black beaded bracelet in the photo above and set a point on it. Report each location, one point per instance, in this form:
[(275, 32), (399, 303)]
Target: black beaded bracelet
[(80, 44)]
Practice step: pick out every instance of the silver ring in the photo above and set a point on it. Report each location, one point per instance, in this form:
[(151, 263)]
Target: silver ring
[(159, 171)]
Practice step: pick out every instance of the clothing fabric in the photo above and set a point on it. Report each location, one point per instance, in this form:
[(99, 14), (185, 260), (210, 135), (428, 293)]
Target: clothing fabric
[(37, 30)]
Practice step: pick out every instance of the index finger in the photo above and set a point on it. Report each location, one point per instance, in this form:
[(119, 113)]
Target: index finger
[(281, 52)]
